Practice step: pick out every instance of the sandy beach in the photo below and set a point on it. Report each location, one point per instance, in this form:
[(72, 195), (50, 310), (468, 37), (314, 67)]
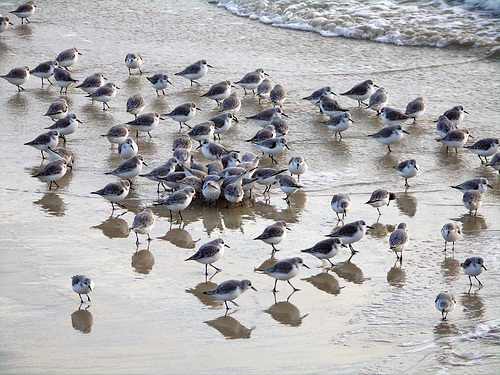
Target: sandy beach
[(148, 312)]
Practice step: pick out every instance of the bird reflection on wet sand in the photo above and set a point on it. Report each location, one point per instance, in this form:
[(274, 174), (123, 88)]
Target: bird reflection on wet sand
[(143, 261), (396, 275), (349, 271), (472, 223), (114, 227), (180, 238), (206, 299), (230, 328), (407, 204), (286, 313), (325, 282), (380, 230), (451, 268), (473, 304), (52, 204), (82, 320)]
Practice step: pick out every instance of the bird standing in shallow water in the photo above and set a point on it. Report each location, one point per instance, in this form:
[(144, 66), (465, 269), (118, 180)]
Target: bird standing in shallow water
[(82, 284), (230, 290), (285, 270), (473, 267), (451, 232), (445, 302)]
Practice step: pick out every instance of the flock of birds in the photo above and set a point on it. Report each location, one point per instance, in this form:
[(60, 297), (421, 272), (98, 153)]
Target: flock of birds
[(231, 175)]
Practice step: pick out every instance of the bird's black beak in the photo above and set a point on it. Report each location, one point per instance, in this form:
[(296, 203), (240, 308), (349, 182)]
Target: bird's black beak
[(404, 131)]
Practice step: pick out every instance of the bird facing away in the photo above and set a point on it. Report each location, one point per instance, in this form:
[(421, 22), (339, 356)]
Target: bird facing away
[(143, 224)]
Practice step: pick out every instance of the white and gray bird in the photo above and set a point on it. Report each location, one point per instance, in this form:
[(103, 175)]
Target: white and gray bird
[(399, 240), (379, 198), (325, 249), (495, 162), (58, 109), (159, 81), (114, 192), (24, 11), (484, 148), (456, 114), (136, 104), (209, 253), (273, 234), (480, 184), (133, 61), (63, 79), (472, 200), (273, 146), (66, 125), (350, 233), (45, 141), (415, 108), (232, 105), (361, 91), (315, 97), (330, 107), (4, 24), (116, 134), (17, 77), (45, 70), (218, 92), (297, 165), (230, 290), (129, 168), (158, 174), (143, 224), (104, 94), (183, 113), (451, 232), (473, 266), (82, 284), (252, 80), (195, 71), (179, 200), (443, 126), (445, 302), (389, 135), (407, 169), (288, 185), (455, 138), (53, 172), (264, 89), (266, 116), (378, 100), (393, 116), (338, 123), (92, 83), (68, 57), (127, 149), (145, 123), (277, 96), (341, 203), (285, 269)]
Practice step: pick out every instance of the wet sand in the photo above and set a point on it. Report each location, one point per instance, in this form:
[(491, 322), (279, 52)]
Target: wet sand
[(148, 313)]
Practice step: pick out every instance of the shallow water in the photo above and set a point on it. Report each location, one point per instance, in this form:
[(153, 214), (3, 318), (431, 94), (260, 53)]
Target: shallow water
[(148, 313)]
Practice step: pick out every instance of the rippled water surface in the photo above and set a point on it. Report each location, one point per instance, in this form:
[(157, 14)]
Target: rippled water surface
[(148, 312)]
